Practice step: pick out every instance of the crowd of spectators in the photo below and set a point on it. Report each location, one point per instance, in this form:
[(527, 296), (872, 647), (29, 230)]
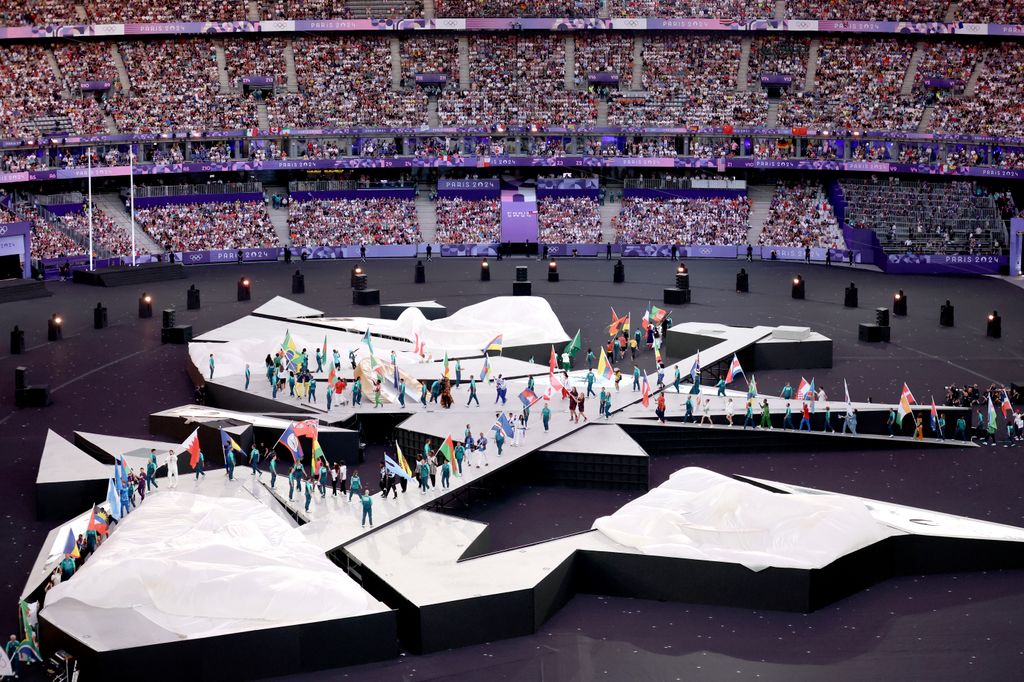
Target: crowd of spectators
[(429, 54), (214, 225), (972, 395), (175, 86), (33, 92), (467, 221), (708, 222), (603, 53), (345, 81), (867, 10), (517, 8), (990, 11), (342, 222), (690, 81), (47, 240), (737, 10), (261, 57), (339, 9), (994, 108), (516, 80), (105, 232), (37, 12), (779, 55), (800, 215), (152, 11), (857, 86), (954, 61), (569, 220), (81, 61)]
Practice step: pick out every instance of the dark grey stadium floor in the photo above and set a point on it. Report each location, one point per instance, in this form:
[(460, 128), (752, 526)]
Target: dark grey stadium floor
[(951, 627)]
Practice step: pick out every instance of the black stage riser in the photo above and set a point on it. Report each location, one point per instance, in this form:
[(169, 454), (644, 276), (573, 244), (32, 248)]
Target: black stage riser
[(65, 500), (273, 652), (22, 290), (586, 470), (124, 276)]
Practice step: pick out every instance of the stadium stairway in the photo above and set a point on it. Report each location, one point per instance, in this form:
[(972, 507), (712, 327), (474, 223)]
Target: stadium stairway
[(911, 75), (926, 119), (80, 12), (122, 72), (112, 204), (253, 10), (812, 65), (432, 119), (426, 213), (951, 12), (760, 204), (289, 65), (780, 9), (51, 59), (638, 62), (741, 76), (772, 119), (972, 82), (428, 9), (262, 116), (570, 62), (464, 80), (278, 216), (222, 69), (608, 210), (396, 64)]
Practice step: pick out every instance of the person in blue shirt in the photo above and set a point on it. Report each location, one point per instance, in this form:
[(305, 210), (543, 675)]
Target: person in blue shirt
[(590, 358), (481, 448), (199, 465), (545, 416), (787, 391), (291, 384), (319, 362), (324, 475), (499, 439), (151, 471), (677, 380), (636, 378), (748, 417), (312, 390), (689, 410), (446, 474), (401, 392), (661, 375), (828, 420), (423, 468), (787, 419), (352, 358), (211, 365), (273, 469), (608, 407), (890, 421), (330, 394), (308, 487), (367, 501), (460, 454), (357, 393), (458, 374), (336, 357), (472, 392), (721, 388), (248, 375), (295, 479), (851, 422), (229, 462), (355, 485), (500, 390), (590, 383)]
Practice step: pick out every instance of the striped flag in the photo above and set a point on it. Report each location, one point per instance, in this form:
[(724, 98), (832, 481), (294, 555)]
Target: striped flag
[(645, 391), (734, 369), (752, 387), (935, 416), (604, 368), (1006, 407), (486, 371), (494, 344), (906, 400)]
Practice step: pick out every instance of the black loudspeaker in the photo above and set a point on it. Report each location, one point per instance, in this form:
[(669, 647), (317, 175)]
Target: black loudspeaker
[(873, 333), (99, 317), (522, 273), (798, 288), (359, 282), (485, 271), (145, 306), (17, 340), (192, 298), (421, 273), (899, 304), (29, 396), (619, 273), (298, 283), (168, 318), (179, 334), (676, 296), (994, 329), (366, 296), (522, 288), (850, 299), (54, 328), (946, 315), (882, 317), (20, 378), (552, 270), (244, 289), (742, 282)]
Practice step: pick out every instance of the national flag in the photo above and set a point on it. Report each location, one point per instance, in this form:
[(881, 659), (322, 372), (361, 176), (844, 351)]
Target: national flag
[(935, 416), (493, 344), (395, 468), (290, 440), (645, 391), (6, 667), (1006, 407), (191, 445), (849, 403), (376, 366), (324, 353), (604, 368), (645, 321), (613, 328), (368, 341), (308, 428), (395, 377), (227, 441), (802, 389), (752, 387), (657, 351), (418, 346), (71, 546), (486, 371), (695, 369), (625, 326), (447, 450), (553, 361), (734, 369), (548, 393), (402, 461), (27, 647), (114, 500), (574, 346), (290, 350), (528, 397), (98, 521), (992, 423), (906, 399), (446, 372), (504, 425), (658, 314), (332, 377), (318, 457)]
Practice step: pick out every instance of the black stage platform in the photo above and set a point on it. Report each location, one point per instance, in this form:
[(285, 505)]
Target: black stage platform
[(22, 290), (126, 274)]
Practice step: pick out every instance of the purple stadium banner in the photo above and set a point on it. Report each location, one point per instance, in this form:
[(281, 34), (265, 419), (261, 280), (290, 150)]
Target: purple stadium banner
[(942, 83), (147, 202), (554, 188), (258, 81), (87, 86), (603, 78), (427, 78), (64, 209), (1016, 245), (584, 250), (488, 188), (51, 266), (637, 193), (776, 79), (16, 238), (519, 215), (922, 264), (408, 193), (478, 250)]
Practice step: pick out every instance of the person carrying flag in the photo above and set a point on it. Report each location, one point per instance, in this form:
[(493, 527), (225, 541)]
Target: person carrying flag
[(805, 418), (248, 375)]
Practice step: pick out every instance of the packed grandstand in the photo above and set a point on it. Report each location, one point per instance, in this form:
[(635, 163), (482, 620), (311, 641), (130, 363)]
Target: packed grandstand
[(826, 128)]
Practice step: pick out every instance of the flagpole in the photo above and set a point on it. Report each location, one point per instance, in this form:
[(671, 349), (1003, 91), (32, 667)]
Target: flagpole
[(89, 159), (131, 196)]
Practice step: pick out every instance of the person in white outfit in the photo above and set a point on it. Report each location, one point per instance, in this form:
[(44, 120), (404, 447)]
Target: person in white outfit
[(172, 469)]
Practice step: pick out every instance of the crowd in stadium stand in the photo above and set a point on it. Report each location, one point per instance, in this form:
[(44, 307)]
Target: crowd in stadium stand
[(106, 233), (37, 12), (569, 220), (33, 93), (337, 222), (516, 80), (917, 216), (150, 11), (201, 226), (990, 12), (800, 215), (345, 81), (337, 9), (263, 57), (175, 86), (467, 221), (867, 10), (80, 61), (47, 240), (954, 61), (969, 395), (603, 53), (995, 108), (517, 8), (429, 54), (683, 221), (779, 55), (320, 149), (690, 80), (736, 10), (857, 86)]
